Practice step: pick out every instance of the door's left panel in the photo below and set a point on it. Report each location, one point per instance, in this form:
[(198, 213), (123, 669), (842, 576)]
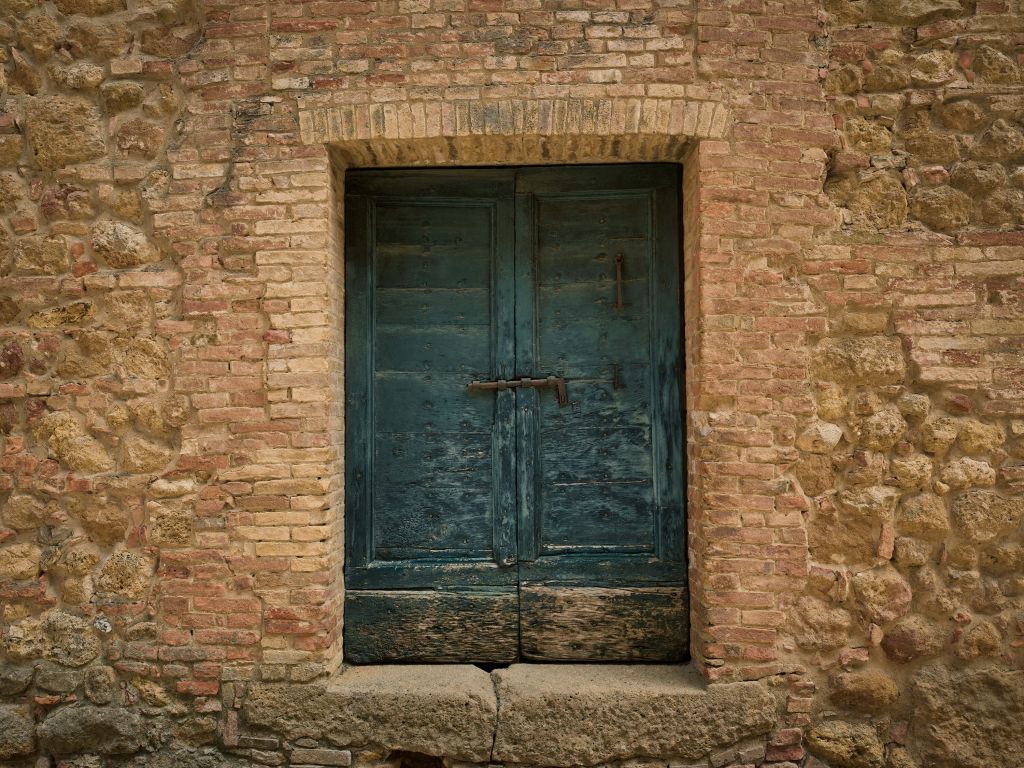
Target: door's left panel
[(430, 527)]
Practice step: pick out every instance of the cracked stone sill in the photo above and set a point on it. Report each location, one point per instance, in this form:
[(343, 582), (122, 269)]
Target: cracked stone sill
[(534, 714)]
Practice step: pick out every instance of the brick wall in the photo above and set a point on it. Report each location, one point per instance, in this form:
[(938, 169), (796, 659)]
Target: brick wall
[(170, 357)]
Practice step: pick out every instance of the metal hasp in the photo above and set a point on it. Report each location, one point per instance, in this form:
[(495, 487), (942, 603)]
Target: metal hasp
[(556, 383)]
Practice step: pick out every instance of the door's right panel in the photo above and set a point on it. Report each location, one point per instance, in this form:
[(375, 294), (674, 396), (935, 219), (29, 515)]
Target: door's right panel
[(602, 567)]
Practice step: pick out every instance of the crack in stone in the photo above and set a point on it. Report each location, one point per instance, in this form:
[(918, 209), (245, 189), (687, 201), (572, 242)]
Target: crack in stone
[(497, 715)]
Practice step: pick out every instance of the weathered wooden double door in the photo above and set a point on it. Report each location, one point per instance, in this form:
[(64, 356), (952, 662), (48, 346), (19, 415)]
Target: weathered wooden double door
[(514, 458)]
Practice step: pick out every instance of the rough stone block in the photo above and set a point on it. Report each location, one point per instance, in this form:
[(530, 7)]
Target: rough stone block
[(435, 710), (585, 715)]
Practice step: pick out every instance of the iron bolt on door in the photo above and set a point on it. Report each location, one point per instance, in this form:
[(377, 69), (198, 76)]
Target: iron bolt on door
[(514, 465)]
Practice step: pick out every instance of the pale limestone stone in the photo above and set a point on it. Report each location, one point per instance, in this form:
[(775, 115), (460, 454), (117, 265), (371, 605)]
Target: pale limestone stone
[(22, 512), (910, 552), (104, 521), (974, 715), (140, 137), (121, 245), (912, 638), (130, 309), (995, 66), (844, 79), (885, 77), (90, 354), (820, 437), (56, 636), (866, 467), (967, 473), (141, 455), (881, 431), (933, 69), (99, 39), (89, 7), (976, 438), (84, 728), (19, 562), (125, 574), (1001, 142), (76, 313), (882, 594), (875, 502), (68, 442), (870, 360), (17, 732), (928, 147), (942, 208), (982, 639), (170, 524), (868, 136), (144, 357), (11, 192), (63, 130), (38, 34), (865, 691), (982, 516), (121, 95), (118, 417), (961, 115), (878, 200), (978, 179), (843, 537), (923, 515), (39, 255), (817, 625), (938, 435), (912, 472), (162, 488), (847, 745), (10, 148), (913, 12), (81, 76), (831, 401)]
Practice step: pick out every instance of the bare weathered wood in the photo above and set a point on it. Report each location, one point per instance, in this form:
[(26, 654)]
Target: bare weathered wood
[(467, 625), (601, 624)]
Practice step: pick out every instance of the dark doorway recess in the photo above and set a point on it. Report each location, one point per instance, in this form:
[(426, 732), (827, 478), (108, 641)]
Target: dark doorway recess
[(514, 449)]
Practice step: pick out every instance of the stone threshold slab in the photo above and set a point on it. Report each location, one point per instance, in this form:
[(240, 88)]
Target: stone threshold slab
[(536, 714), (588, 714)]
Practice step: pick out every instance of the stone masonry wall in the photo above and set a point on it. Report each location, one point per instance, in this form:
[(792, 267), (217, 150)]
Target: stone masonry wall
[(171, 334)]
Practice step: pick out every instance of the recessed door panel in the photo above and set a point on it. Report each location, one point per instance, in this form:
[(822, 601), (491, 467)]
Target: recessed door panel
[(602, 570)]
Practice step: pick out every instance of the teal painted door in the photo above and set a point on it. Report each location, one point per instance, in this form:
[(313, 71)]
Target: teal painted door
[(491, 525)]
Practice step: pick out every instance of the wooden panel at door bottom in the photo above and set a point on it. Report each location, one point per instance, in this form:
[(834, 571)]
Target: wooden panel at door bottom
[(465, 625), (602, 624)]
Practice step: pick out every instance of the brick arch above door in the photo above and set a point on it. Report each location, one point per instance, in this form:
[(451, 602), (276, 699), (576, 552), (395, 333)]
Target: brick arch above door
[(510, 131)]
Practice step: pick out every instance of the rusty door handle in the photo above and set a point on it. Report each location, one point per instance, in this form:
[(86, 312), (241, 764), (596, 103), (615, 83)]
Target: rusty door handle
[(556, 383)]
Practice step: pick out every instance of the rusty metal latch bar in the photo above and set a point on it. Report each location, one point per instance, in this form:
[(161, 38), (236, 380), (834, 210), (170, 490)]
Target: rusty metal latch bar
[(556, 383)]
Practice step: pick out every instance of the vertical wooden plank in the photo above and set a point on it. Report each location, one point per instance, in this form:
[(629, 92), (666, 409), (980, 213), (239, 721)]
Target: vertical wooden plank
[(527, 406), (358, 365), (503, 287), (666, 300)]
